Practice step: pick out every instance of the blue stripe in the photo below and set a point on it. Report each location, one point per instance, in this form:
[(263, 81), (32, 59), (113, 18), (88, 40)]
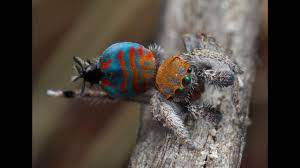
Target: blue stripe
[(128, 71)]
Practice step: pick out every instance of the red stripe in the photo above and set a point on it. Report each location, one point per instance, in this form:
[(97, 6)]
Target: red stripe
[(134, 71), (122, 66), (105, 65), (105, 82), (140, 51), (149, 55)]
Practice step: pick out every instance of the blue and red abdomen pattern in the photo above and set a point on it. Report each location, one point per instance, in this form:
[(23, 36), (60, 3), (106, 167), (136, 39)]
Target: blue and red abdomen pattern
[(129, 69)]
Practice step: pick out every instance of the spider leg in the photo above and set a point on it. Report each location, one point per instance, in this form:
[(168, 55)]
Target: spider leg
[(95, 96), (75, 94), (205, 111), (190, 42), (158, 52), (163, 112), (217, 78), (205, 48), (100, 95), (223, 79)]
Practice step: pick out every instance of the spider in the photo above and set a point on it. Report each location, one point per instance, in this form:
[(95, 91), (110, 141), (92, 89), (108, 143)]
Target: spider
[(130, 71)]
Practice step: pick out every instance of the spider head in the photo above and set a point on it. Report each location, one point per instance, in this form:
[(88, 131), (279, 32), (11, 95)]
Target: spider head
[(191, 88), (177, 80)]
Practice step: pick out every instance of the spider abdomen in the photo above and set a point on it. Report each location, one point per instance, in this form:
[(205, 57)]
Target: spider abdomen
[(128, 68)]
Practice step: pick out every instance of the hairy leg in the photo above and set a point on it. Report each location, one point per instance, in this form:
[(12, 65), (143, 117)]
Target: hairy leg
[(217, 78), (205, 111), (204, 48), (163, 112), (158, 52)]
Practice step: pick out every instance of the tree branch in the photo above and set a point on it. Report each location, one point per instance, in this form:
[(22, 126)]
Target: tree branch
[(234, 24)]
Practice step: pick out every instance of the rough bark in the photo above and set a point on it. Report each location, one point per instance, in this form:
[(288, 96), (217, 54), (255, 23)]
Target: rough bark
[(234, 24)]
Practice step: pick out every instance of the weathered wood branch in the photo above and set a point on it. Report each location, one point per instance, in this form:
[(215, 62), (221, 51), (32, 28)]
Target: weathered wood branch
[(234, 23)]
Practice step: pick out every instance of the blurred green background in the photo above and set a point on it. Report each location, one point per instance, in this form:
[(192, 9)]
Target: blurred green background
[(74, 134)]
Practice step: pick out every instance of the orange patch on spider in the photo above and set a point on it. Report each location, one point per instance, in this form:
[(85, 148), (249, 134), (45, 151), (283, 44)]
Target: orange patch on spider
[(170, 74)]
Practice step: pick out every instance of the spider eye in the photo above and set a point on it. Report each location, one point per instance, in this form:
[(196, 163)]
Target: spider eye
[(186, 80), (179, 90), (189, 70)]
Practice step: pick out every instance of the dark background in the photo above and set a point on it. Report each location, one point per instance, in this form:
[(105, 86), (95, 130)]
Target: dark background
[(72, 133)]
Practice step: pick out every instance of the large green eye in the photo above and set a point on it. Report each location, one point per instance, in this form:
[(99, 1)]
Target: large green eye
[(179, 90), (186, 80)]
